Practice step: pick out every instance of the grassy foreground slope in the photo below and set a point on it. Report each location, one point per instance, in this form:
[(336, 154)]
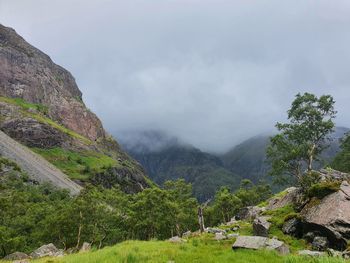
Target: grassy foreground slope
[(195, 250)]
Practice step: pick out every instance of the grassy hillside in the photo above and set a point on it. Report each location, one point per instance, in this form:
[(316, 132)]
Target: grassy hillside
[(195, 250)]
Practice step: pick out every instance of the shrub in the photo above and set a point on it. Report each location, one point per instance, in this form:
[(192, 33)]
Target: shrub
[(323, 189)]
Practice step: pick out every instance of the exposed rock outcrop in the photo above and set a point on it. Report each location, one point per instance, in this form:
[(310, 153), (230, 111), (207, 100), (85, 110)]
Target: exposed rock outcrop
[(330, 216), (248, 213), (47, 251), (16, 256), (292, 196), (41, 106)]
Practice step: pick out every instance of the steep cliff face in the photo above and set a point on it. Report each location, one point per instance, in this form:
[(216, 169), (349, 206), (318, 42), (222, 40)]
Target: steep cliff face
[(41, 107), (28, 73)]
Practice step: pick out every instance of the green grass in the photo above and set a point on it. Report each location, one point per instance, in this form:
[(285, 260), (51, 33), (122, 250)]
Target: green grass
[(40, 116), (77, 165), (195, 250)]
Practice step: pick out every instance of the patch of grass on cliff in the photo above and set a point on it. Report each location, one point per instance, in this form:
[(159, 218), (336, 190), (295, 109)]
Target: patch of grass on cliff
[(323, 189), (77, 165), (26, 105), (40, 116), (195, 250)]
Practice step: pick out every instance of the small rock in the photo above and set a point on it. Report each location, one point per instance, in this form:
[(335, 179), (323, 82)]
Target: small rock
[(176, 239), (47, 250), (334, 253), (311, 253), (16, 256), (261, 226), (320, 243), (85, 247), (214, 230), (220, 236)]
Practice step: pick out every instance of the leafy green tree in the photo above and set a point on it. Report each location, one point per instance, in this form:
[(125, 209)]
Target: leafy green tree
[(303, 139)]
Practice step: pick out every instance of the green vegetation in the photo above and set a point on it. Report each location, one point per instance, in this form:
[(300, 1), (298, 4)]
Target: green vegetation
[(303, 139), (41, 116), (195, 250), (322, 189), (341, 161), (77, 165), (226, 203)]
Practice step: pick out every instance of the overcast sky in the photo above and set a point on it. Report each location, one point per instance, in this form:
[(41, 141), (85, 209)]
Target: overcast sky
[(211, 72)]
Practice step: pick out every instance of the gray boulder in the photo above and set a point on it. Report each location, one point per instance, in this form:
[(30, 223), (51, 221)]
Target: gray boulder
[(187, 234), (16, 256), (248, 213), (261, 226), (330, 217), (214, 230), (257, 242), (176, 239), (234, 235), (311, 253), (292, 196), (47, 251)]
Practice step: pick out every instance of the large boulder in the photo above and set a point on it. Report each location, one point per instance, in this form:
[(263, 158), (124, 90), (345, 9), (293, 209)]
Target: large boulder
[(261, 226), (16, 256), (257, 242), (311, 253), (330, 217), (47, 251), (333, 175), (249, 213), (291, 196)]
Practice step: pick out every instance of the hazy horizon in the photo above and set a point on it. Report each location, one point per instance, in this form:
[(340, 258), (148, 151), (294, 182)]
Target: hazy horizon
[(212, 73)]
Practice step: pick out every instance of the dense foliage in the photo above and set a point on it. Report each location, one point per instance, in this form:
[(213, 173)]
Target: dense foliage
[(302, 140), (341, 161), (226, 203), (32, 215)]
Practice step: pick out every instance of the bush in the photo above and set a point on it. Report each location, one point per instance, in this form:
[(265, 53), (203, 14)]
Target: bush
[(323, 189)]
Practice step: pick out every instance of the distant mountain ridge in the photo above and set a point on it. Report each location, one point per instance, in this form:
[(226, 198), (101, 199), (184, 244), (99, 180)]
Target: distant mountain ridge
[(169, 158), (166, 157)]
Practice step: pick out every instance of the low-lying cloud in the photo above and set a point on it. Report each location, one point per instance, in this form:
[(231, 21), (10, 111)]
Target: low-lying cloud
[(210, 72)]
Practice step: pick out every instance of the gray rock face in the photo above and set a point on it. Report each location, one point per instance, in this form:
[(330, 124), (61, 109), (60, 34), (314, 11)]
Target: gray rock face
[(214, 230), (333, 175), (47, 251), (34, 134), (261, 226), (292, 197), (330, 217), (320, 243), (248, 213), (311, 253), (16, 256), (292, 227), (257, 242)]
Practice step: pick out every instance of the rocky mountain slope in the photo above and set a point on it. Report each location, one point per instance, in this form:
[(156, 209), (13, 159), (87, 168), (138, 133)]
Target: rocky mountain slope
[(167, 158), (37, 167), (41, 107)]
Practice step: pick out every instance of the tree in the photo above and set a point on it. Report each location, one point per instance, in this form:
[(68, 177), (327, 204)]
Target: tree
[(341, 161), (302, 140)]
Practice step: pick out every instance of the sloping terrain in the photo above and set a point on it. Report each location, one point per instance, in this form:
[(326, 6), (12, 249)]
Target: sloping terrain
[(42, 108), (34, 165)]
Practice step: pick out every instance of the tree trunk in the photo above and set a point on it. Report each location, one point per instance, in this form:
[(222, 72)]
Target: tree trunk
[(311, 158), (200, 219)]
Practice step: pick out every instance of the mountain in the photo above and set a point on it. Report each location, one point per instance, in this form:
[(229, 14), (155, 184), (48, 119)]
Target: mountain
[(248, 159), (168, 158), (41, 107)]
